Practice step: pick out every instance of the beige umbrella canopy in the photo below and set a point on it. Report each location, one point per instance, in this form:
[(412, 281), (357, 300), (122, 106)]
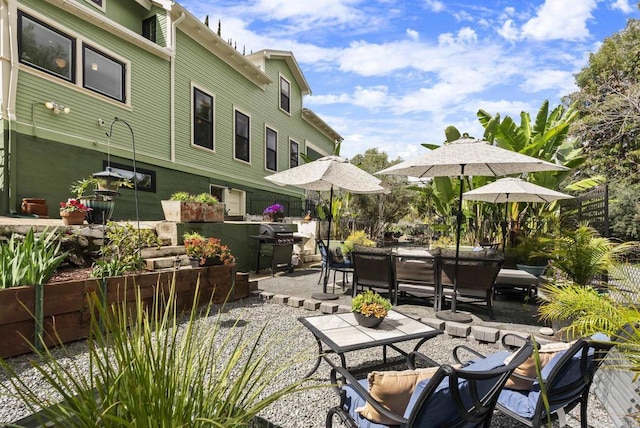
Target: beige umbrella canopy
[(468, 157), (513, 190), (329, 173)]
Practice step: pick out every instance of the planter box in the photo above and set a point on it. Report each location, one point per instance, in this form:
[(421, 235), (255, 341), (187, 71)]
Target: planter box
[(193, 212), (66, 304)]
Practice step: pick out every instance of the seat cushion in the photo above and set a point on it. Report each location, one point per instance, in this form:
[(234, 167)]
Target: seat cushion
[(440, 411), (393, 390), (528, 368)]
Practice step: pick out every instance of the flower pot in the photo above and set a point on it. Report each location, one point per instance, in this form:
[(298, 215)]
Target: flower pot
[(533, 270), (101, 209), (34, 206), (369, 322), (193, 212), (211, 261), (73, 218)]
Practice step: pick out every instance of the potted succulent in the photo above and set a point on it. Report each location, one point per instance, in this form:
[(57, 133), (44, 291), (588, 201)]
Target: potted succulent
[(206, 251), (185, 207), (273, 212), (73, 211), (370, 308)]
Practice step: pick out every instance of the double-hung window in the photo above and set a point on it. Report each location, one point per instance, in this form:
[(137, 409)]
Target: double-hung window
[(271, 149), (46, 48), (285, 95), (242, 126), (202, 119), (103, 74), (294, 154)]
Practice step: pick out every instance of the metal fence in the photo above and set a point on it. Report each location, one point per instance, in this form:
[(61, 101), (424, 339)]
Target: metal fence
[(592, 207), (293, 207)]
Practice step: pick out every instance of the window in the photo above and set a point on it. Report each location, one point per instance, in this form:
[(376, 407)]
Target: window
[(202, 119), (294, 154), (103, 74), (271, 146), (242, 143), (149, 28), (99, 4), (285, 88), (146, 178), (46, 48)]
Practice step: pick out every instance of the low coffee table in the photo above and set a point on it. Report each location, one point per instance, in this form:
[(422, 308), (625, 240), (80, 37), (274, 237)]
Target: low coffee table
[(341, 333)]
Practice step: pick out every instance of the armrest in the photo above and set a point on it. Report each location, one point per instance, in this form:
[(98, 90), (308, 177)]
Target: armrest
[(415, 355), (348, 379), (465, 348), (512, 340)]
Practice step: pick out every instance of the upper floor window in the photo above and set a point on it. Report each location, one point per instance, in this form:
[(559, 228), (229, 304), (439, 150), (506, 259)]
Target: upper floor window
[(45, 48), (100, 4), (103, 74), (294, 154), (285, 95), (202, 119), (242, 128), (149, 28), (271, 148)]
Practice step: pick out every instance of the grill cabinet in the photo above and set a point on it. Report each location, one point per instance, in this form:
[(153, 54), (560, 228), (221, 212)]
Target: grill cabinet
[(275, 243)]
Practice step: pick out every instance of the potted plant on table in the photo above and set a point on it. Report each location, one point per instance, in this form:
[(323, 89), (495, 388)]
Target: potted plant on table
[(273, 212), (370, 308), (73, 211), (206, 251)]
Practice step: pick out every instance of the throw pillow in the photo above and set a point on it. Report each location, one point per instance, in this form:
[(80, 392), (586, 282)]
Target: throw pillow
[(393, 390), (528, 368)]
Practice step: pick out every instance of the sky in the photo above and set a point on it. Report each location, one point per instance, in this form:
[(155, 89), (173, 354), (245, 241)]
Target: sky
[(393, 74)]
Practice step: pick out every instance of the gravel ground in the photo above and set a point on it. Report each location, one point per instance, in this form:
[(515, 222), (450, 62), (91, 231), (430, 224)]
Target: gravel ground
[(305, 409)]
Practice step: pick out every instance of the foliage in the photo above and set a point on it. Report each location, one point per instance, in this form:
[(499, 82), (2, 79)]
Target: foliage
[(624, 212), (274, 209), (581, 254), (81, 186), (359, 237), (198, 247), (371, 303), (150, 368), (72, 206), (532, 250), (30, 261), (120, 253), (204, 197)]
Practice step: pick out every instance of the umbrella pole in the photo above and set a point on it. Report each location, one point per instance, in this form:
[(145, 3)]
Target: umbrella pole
[(504, 225), (452, 315), (324, 295)]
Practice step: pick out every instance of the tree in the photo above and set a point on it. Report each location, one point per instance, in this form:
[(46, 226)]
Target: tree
[(381, 208), (609, 101)]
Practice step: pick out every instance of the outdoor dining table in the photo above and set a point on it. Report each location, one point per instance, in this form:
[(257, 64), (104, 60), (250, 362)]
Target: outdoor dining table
[(341, 333)]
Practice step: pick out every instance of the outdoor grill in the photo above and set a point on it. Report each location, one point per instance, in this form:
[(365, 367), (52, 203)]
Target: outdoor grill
[(275, 243)]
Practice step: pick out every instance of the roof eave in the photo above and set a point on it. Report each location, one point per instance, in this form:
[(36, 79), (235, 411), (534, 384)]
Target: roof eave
[(321, 125)]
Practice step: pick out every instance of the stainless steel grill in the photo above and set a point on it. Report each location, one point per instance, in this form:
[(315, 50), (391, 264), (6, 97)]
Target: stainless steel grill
[(278, 233), (275, 243)]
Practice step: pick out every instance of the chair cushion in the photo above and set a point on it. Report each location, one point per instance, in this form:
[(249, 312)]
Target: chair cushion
[(528, 368), (374, 250), (393, 390), (336, 255), (440, 410)]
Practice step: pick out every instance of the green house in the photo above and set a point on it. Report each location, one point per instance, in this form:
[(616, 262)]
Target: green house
[(144, 84)]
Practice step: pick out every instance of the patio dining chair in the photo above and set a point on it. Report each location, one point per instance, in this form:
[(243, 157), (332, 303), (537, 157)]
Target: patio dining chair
[(567, 372), (373, 268), (330, 263), (436, 396)]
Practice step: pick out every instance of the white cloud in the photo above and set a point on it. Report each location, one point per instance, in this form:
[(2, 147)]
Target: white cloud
[(434, 5), (509, 31), (413, 34), (622, 5), (560, 20)]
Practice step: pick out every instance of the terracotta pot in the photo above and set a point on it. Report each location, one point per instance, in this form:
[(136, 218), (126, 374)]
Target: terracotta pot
[(73, 218), (369, 322)]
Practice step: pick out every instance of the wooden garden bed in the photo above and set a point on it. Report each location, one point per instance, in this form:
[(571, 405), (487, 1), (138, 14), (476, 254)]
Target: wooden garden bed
[(66, 304)]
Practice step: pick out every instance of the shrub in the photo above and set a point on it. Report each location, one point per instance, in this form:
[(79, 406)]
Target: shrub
[(204, 198), (359, 237)]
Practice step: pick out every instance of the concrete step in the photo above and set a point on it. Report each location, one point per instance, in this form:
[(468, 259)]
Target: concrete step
[(164, 251), (311, 258), (157, 263)]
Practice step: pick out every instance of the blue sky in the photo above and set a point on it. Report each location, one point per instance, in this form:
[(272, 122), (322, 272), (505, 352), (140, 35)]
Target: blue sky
[(393, 74)]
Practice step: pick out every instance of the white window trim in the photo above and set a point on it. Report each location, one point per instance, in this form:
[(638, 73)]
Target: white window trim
[(266, 125), (281, 77), (291, 140), (80, 41), (102, 8), (308, 144), (192, 116), (233, 140)]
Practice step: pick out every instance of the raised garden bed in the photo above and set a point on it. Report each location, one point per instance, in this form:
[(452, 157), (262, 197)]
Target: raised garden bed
[(66, 304)]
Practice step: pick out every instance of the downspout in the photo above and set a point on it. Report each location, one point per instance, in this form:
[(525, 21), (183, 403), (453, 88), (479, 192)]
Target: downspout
[(9, 193), (172, 91)]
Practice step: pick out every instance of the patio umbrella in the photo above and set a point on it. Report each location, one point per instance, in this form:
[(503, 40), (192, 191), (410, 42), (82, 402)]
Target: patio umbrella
[(467, 157), (512, 190), (328, 173)]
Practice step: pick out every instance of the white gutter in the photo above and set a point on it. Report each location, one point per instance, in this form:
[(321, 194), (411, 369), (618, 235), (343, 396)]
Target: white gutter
[(172, 91), (10, 106)]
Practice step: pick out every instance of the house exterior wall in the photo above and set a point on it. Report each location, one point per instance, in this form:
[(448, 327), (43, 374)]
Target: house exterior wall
[(46, 152)]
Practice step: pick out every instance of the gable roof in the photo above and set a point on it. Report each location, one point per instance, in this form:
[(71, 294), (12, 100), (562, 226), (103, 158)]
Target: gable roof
[(321, 125), (259, 58)]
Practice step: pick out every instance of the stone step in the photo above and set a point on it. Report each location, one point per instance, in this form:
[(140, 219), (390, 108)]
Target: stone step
[(164, 251), (311, 258), (157, 263)]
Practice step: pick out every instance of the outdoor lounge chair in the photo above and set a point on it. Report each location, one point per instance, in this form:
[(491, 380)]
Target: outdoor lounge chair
[(373, 268), (443, 396), (567, 375), (329, 263), (416, 275)]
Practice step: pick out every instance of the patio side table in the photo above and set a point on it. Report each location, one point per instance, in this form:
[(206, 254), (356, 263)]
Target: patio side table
[(341, 333)]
